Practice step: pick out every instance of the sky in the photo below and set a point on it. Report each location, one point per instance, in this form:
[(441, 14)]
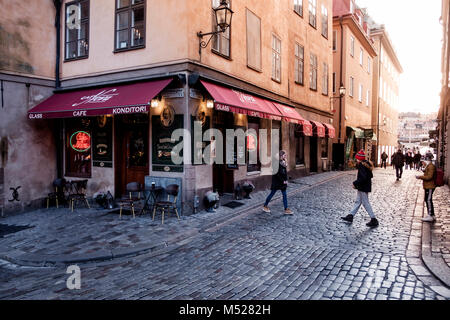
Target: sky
[(416, 33)]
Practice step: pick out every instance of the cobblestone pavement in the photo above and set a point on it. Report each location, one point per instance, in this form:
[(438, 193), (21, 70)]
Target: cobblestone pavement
[(310, 255)]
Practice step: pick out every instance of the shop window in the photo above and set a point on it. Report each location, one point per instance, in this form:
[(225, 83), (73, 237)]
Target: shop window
[(221, 41), (252, 144), (299, 149), (78, 148), (130, 24), (324, 147), (77, 30)]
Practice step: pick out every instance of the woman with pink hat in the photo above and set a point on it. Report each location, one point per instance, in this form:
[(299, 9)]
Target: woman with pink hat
[(363, 184)]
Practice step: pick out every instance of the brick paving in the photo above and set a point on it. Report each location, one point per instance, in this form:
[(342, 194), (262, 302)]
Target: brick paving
[(310, 255)]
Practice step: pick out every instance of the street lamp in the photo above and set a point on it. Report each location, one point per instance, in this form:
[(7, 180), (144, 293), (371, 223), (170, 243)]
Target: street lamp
[(223, 15)]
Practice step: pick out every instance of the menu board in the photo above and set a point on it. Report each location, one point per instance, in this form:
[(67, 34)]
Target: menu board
[(102, 142), (163, 144)]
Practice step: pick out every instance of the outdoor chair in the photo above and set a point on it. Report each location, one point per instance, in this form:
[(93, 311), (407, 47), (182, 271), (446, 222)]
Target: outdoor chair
[(129, 201), (171, 190), (58, 192), (78, 193)]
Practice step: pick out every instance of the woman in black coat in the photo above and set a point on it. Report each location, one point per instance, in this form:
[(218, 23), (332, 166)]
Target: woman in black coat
[(279, 182)]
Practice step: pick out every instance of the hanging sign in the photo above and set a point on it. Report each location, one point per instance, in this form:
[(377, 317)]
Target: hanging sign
[(80, 141)]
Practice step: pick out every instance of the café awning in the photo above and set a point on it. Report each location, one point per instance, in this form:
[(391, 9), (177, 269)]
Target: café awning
[(330, 132), (318, 129), (359, 133), (232, 100), (118, 99)]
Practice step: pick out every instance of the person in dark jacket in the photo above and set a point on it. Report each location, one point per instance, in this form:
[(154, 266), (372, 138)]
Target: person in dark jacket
[(384, 157), (399, 161), (417, 159), (279, 182), (363, 184)]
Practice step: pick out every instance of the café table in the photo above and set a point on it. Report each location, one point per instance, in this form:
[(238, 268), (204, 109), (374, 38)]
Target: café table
[(153, 193)]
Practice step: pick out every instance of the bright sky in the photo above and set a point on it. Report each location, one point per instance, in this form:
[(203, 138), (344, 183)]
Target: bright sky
[(414, 29)]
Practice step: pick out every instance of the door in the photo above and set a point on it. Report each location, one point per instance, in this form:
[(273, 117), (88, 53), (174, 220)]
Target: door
[(313, 154), (132, 150), (223, 177)]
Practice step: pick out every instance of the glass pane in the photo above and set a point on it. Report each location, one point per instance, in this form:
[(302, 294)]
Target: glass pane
[(71, 50), (138, 149), (84, 10), (137, 35), (71, 35), (83, 31), (122, 3), (83, 47), (137, 16), (122, 39), (122, 20), (137, 1)]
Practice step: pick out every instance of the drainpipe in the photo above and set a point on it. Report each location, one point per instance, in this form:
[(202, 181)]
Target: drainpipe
[(378, 103), (340, 79), (58, 132)]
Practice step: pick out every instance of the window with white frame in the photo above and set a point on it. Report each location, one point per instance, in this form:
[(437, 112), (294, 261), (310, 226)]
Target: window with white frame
[(313, 72), (298, 7), (361, 56), (276, 58), (352, 46), (360, 93), (368, 98), (299, 68), (325, 76), (369, 63), (352, 80), (324, 21), (312, 12)]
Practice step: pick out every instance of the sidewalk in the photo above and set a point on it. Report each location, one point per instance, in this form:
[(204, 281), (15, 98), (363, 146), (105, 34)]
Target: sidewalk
[(62, 237)]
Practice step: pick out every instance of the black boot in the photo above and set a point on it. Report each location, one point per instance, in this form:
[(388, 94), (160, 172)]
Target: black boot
[(348, 218), (373, 223)]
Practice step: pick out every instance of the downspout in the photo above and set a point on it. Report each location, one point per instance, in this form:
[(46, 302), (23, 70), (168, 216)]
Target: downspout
[(378, 103), (340, 79), (58, 127)]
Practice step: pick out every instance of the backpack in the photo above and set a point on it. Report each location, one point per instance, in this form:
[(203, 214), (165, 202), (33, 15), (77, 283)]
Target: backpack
[(439, 177)]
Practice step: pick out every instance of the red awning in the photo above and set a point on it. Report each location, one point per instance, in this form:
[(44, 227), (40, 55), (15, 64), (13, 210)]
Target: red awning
[(231, 100), (318, 129), (330, 131), (289, 113), (119, 99)]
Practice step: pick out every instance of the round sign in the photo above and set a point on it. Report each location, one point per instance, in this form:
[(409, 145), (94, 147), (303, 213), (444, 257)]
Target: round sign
[(80, 141)]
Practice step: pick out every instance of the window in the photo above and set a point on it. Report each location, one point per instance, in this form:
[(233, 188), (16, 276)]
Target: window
[(369, 62), (360, 93), (334, 40), (334, 82), (367, 98), (299, 149), (220, 41), (253, 145), (352, 9), (78, 148), (313, 72), (299, 63), (324, 21), (77, 30), (361, 56), (352, 46), (352, 80), (298, 7), (324, 147), (253, 41), (312, 12), (130, 24), (276, 58), (325, 79)]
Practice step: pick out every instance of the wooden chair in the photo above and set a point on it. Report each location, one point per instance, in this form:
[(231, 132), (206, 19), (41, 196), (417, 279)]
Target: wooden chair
[(78, 193), (58, 193), (129, 201), (171, 190)]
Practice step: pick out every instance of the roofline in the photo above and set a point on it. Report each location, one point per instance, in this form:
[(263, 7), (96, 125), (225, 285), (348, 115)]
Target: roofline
[(388, 44)]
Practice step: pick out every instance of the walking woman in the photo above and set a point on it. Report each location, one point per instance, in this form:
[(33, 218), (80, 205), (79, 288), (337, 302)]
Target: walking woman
[(279, 182)]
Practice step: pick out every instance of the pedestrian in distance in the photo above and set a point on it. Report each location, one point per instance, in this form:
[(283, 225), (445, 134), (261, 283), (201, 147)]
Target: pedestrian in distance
[(417, 159), (279, 182), (398, 161), (429, 186), (363, 184), (384, 157)]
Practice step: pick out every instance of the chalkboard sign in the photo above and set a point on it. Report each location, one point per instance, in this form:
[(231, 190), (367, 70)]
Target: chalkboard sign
[(102, 142), (162, 144)]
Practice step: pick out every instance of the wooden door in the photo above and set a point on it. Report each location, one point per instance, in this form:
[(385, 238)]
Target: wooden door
[(132, 153)]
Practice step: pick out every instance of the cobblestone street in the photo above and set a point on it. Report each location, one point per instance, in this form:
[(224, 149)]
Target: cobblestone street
[(310, 255)]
